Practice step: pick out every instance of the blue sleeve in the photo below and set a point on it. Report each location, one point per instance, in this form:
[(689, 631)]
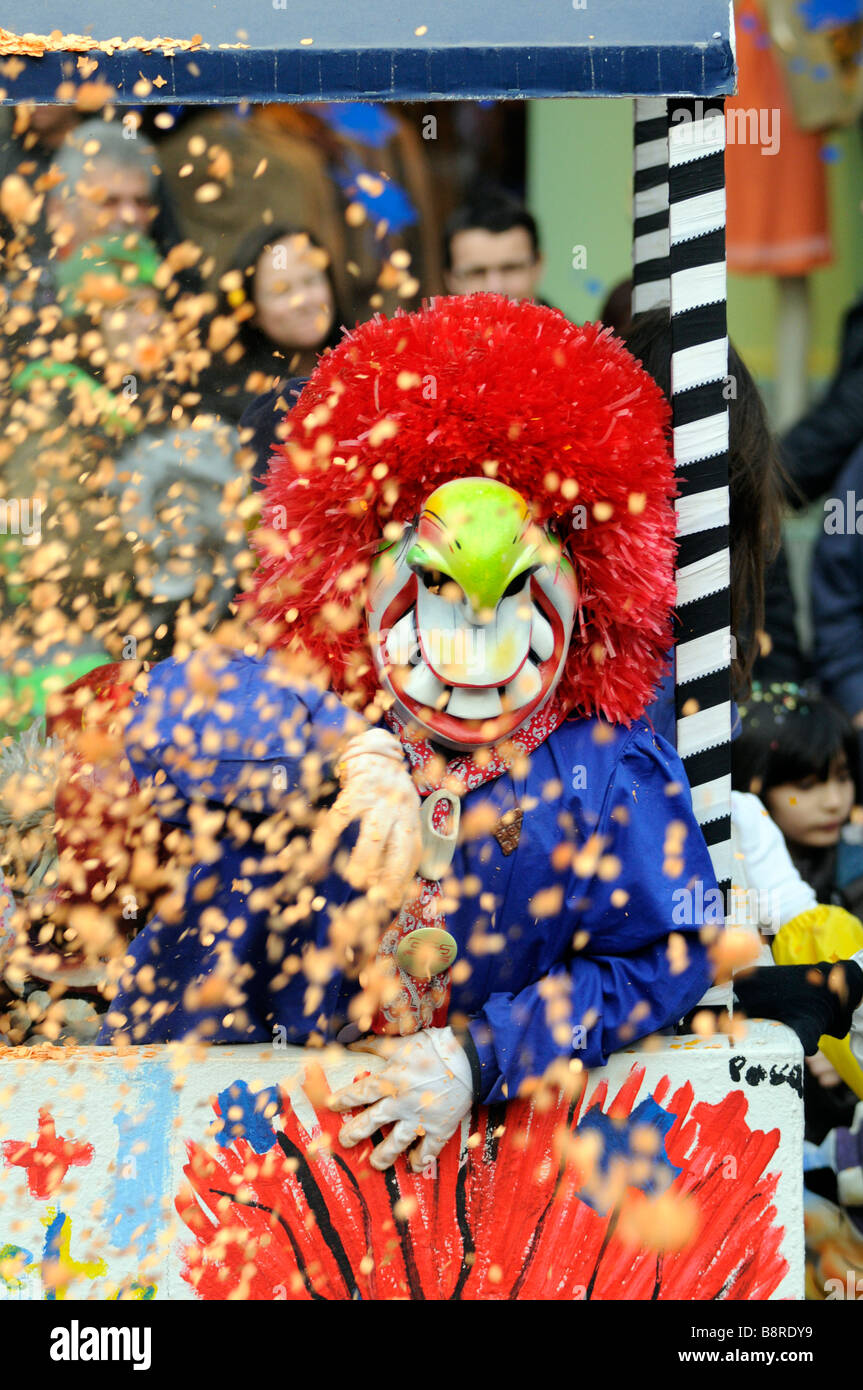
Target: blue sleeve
[(231, 730), (820, 445), (624, 977), (837, 593)]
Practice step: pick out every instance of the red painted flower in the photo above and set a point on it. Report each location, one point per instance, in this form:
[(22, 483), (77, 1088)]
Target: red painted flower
[(308, 1220)]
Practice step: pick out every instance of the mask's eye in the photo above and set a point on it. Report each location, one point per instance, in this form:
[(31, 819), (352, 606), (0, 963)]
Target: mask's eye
[(436, 582), (516, 585)]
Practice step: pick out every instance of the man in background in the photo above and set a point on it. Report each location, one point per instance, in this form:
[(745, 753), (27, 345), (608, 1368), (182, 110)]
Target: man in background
[(492, 243)]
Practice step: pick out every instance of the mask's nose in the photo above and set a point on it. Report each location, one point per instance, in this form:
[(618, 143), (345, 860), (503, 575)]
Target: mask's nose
[(477, 617)]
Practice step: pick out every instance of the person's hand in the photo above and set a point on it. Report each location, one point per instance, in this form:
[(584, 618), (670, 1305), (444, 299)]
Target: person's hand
[(425, 1090), (376, 790), (823, 999), (824, 1072)]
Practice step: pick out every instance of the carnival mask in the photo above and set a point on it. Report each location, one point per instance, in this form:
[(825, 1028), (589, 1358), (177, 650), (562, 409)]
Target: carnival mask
[(470, 613), (173, 489)]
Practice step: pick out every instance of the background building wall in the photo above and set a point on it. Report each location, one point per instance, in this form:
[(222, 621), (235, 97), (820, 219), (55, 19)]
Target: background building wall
[(579, 172), (580, 187)]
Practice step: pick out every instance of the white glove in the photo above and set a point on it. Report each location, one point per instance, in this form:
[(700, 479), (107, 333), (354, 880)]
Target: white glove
[(762, 863), (377, 790), (425, 1089)]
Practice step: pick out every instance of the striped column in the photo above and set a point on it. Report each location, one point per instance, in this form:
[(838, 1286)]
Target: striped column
[(650, 260), (699, 366)]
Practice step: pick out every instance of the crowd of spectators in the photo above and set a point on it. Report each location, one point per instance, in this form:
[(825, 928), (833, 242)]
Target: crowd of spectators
[(160, 274), (168, 280)]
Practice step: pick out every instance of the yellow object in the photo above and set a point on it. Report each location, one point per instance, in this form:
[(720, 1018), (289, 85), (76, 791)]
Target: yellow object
[(824, 933)]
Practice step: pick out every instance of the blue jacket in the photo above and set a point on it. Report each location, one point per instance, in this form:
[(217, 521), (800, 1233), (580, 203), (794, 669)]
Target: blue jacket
[(603, 931), (837, 590), (820, 445)]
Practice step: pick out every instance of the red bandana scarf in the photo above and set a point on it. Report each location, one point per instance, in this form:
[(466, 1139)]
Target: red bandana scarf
[(424, 1003)]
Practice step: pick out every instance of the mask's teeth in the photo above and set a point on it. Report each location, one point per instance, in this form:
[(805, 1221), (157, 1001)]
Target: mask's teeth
[(523, 687), (467, 702), (401, 646), (423, 686), (541, 635)]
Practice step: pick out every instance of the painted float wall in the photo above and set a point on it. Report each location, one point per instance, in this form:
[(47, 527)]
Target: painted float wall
[(208, 1172)]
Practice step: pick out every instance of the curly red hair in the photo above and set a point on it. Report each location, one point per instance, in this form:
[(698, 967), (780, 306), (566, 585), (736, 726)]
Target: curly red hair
[(468, 386)]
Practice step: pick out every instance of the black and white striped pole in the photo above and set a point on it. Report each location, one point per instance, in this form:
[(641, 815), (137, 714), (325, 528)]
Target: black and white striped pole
[(650, 249), (699, 380)]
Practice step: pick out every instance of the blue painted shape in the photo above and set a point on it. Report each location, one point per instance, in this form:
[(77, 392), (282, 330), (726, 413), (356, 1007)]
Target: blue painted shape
[(617, 1142), (252, 1125), (135, 1292), (142, 1179), (51, 1251)]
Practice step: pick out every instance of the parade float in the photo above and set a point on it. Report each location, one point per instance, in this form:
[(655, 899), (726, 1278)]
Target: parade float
[(170, 1165)]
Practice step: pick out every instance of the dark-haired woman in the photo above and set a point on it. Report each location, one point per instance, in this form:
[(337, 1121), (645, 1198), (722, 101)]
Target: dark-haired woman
[(755, 489), (279, 312)]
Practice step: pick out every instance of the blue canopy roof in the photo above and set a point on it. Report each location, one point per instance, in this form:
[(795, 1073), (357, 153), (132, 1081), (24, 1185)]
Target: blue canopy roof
[(386, 50)]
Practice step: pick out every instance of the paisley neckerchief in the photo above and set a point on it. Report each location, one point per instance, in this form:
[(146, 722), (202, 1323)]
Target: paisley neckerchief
[(421, 1003)]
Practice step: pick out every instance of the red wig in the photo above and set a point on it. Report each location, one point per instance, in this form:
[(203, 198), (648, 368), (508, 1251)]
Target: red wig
[(469, 386)]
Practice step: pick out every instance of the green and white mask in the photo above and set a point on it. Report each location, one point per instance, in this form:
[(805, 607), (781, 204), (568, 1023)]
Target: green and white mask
[(470, 614)]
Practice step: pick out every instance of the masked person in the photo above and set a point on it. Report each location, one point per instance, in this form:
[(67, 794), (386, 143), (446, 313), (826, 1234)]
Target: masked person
[(472, 543), (454, 836)]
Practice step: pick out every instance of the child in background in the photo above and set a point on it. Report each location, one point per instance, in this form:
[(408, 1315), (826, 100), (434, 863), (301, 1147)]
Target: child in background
[(797, 997), (797, 753)]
